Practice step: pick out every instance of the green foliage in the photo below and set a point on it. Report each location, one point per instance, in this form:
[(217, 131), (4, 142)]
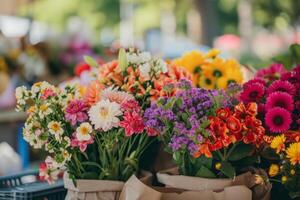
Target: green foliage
[(291, 58)]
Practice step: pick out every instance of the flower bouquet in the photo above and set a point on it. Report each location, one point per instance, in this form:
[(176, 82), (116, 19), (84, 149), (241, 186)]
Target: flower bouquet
[(276, 91), (209, 134), (100, 141), (209, 70)]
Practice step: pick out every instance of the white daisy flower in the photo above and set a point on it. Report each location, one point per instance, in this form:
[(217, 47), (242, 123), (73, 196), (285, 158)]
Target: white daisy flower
[(83, 132), (56, 129), (20, 92), (104, 115), (44, 110)]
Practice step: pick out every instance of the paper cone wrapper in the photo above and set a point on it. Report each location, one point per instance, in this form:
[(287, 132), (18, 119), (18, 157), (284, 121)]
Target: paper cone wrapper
[(134, 189), (260, 191), (98, 189)]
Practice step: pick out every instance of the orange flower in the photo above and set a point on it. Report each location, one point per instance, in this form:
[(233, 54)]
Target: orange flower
[(223, 113), (203, 150), (233, 124), (241, 110), (93, 92)]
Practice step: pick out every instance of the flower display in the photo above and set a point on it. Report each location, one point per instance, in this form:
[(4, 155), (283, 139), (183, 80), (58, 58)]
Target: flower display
[(209, 70), (287, 147), (205, 128), (89, 140), (276, 92), (139, 74)]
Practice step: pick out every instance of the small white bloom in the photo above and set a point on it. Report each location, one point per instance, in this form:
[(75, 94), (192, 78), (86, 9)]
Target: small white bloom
[(20, 92), (145, 70), (56, 129), (104, 115), (83, 132), (44, 110), (68, 141), (144, 57)]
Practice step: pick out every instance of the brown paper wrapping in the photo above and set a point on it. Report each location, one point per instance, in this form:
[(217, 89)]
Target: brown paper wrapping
[(134, 189), (98, 189), (261, 191)]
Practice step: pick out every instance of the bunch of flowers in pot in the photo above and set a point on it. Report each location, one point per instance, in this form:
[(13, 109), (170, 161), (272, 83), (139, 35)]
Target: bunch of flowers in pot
[(208, 132), (209, 70)]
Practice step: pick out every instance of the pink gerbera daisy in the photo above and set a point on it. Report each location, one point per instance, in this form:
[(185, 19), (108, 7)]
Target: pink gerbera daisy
[(255, 80), (273, 72), (282, 86), (278, 120), (252, 93), (280, 99)]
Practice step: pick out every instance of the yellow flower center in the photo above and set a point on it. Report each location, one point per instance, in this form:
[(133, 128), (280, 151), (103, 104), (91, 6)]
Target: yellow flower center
[(104, 112), (43, 107), (55, 126), (84, 130)]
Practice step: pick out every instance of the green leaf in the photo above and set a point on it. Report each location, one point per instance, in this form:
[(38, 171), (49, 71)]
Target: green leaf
[(90, 61), (227, 169), (122, 59), (203, 160), (205, 173), (185, 117), (88, 163), (286, 60), (240, 151), (295, 51), (90, 175), (294, 195), (248, 161)]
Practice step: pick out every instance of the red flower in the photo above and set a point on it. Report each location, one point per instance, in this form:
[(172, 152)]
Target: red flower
[(203, 150), (241, 110), (233, 124), (81, 67), (223, 113), (132, 123)]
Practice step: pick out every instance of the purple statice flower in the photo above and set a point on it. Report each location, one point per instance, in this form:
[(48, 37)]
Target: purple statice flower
[(76, 112), (178, 142), (184, 84)]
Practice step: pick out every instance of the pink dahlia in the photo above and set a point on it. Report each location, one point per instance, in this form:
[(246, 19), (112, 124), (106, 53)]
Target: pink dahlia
[(132, 123), (278, 120), (252, 93), (280, 99), (273, 72), (76, 111), (81, 144), (282, 86)]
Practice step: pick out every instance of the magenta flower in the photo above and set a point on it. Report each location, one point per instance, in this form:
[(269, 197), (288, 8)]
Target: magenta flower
[(280, 99), (278, 120), (255, 80), (252, 92), (282, 86), (76, 111), (273, 72), (81, 144)]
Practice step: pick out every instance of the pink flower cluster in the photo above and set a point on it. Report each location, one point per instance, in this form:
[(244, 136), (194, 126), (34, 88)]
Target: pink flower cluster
[(76, 111), (276, 91), (132, 120)]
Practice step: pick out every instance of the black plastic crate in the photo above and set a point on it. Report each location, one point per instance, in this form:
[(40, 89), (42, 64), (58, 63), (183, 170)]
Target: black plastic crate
[(15, 187)]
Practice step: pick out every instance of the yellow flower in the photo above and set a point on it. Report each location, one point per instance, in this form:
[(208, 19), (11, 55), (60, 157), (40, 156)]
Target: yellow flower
[(218, 166), (293, 172), (278, 143), (192, 61), (273, 170), (207, 82), (283, 179), (216, 68), (293, 153), (213, 53)]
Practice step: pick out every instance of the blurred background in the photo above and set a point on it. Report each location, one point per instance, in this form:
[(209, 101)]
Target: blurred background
[(46, 39)]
